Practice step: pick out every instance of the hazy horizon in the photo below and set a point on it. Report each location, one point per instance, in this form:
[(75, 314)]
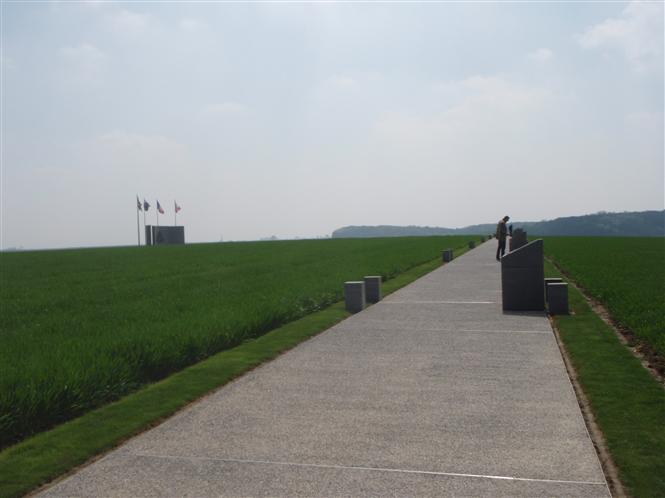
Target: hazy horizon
[(295, 119), (274, 237)]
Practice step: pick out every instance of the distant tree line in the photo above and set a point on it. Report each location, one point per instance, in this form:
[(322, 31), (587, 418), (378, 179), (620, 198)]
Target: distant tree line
[(633, 224)]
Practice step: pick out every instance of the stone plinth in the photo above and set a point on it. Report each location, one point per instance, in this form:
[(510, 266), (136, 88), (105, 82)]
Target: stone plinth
[(447, 255), (522, 277), (373, 289), (354, 296), (550, 280), (518, 239), (557, 298)]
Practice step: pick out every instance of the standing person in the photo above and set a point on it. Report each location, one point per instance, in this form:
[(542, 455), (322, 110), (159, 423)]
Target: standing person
[(501, 232)]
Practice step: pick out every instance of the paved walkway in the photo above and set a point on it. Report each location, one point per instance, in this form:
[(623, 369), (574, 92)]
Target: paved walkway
[(432, 392)]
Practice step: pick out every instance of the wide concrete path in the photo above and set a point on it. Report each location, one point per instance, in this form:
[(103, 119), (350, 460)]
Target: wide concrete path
[(433, 392)]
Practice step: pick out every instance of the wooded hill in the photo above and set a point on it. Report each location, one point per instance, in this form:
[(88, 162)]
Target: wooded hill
[(634, 224)]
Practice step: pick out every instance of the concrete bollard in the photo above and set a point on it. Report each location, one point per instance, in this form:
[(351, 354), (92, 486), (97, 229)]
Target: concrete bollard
[(447, 255), (557, 298), (551, 280), (472, 244), (373, 289), (354, 296)]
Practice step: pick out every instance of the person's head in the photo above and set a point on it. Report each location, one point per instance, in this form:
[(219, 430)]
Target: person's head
[(506, 218)]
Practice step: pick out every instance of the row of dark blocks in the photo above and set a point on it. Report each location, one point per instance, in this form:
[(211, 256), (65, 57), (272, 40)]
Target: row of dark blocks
[(358, 293), (523, 283)]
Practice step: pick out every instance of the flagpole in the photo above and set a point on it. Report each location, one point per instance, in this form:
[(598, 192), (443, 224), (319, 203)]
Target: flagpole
[(138, 227)]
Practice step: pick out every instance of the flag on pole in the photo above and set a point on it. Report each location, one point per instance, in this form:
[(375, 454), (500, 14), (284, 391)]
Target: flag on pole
[(146, 206), (159, 208), (138, 203), (177, 208)]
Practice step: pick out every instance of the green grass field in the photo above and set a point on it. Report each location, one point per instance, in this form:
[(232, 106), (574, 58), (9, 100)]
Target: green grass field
[(626, 274), (628, 403), (80, 328)]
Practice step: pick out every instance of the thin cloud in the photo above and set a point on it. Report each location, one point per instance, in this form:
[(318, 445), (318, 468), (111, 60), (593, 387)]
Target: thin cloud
[(144, 155), (82, 64), (646, 121), (191, 25), (223, 109), (492, 111), (127, 22), (541, 55), (637, 33), (342, 82), (85, 52)]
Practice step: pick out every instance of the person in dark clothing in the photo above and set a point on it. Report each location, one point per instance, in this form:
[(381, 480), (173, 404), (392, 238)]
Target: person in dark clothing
[(501, 233)]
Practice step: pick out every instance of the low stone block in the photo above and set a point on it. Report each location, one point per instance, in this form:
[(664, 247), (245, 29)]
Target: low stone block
[(447, 255), (373, 289), (557, 298), (354, 296), (550, 280)]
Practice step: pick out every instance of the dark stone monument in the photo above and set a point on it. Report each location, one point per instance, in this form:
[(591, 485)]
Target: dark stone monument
[(522, 277), (354, 296), (372, 289), (517, 239), (447, 255), (557, 298), (155, 236), (550, 280), (472, 244)]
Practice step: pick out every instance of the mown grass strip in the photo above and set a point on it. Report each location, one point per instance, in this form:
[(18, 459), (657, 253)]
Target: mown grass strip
[(627, 402), (41, 458)]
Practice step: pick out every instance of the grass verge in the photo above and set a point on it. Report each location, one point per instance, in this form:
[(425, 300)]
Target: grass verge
[(628, 404), (39, 459)]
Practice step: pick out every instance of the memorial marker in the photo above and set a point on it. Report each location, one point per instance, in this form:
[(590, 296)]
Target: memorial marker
[(551, 280), (522, 276), (373, 289), (557, 298), (517, 239), (354, 296)]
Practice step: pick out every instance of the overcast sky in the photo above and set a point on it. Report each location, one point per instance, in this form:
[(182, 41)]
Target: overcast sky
[(295, 119)]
